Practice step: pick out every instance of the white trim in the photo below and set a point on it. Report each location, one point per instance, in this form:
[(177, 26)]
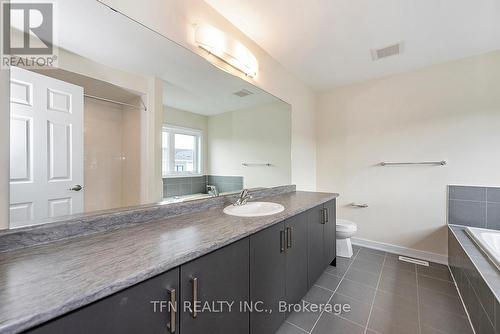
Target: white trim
[(389, 248)]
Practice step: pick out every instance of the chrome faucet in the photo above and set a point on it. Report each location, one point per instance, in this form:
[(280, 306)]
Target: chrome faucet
[(212, 191), (243, 199)]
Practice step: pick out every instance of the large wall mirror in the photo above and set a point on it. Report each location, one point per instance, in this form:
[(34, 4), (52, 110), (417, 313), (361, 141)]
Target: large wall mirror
[(130, 118)]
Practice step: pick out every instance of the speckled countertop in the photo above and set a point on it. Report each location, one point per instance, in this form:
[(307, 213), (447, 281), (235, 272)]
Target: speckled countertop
[(42, 282)]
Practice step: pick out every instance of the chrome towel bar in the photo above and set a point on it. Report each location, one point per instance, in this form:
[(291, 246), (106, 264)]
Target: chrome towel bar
[(356, 205), (432, 163), (247, 164)]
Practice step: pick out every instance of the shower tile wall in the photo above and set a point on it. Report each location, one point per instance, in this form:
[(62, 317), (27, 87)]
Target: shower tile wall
[(474, 206), (181, 186), (226, 183)]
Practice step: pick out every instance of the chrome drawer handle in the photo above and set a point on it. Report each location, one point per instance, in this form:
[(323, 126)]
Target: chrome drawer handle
[(194, 282), (173, 311)]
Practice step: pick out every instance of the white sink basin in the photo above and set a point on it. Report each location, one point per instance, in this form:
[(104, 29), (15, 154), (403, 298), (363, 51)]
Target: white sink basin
[(254, 209)]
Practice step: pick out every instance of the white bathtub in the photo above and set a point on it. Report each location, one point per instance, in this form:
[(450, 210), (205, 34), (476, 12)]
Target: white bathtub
[(488, 241)]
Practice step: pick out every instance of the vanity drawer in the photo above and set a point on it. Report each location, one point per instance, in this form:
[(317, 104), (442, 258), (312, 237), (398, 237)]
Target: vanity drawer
[(131, 311)]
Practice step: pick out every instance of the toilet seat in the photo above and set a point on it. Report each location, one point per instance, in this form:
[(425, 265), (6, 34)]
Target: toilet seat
[(344, 225)]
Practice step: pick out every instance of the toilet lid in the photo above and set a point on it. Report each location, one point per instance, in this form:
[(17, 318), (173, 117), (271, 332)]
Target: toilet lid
[(344, 225)]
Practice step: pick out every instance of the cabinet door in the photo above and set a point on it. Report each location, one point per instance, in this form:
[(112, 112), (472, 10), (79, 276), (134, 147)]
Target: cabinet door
[(316, 249), (330, 235), (220, 276), (296, 258), (142, 308), (267, 278)]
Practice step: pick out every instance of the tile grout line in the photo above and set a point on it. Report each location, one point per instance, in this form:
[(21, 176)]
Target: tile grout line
[(418, 301), (302, 329), (375, 296), (323, 311)]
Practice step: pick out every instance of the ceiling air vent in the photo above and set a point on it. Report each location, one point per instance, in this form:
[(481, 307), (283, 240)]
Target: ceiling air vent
[(391, 50), (243, 93)]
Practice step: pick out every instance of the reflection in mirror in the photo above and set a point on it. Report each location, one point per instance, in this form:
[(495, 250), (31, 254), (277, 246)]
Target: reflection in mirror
[(222, 144), (129, 118)]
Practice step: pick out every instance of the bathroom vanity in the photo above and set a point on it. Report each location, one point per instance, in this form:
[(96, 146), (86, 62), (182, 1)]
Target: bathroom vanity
[(121, 280)]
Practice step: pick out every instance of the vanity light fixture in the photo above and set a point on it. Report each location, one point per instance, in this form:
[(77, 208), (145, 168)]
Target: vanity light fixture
[(226, 48)]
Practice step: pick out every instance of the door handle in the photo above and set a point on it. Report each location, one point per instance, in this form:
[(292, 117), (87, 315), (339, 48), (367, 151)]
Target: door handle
[(288, 237), (76, 187), (173, 311), (282, 241), (194, 282)]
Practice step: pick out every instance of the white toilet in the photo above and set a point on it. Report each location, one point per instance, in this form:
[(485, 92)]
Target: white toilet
[(345, 230)]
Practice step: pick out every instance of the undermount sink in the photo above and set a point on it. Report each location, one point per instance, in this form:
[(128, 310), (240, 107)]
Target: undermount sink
[(254, 209)]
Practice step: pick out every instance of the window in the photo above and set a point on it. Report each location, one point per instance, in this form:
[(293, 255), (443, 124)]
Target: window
[(181, 151)]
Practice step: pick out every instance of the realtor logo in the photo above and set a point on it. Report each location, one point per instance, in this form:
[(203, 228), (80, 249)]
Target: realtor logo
[(28, 34)]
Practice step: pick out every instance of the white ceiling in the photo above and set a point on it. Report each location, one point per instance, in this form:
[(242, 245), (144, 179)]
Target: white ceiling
[(193, 84), (327, 43)]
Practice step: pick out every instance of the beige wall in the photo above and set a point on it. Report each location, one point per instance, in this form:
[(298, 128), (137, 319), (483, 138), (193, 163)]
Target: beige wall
[(111, 156), (254, 135), (103, 124), (175, 18), (186, 119), (444, 112)]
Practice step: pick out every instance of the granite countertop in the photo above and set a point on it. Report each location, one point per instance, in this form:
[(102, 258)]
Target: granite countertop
[(42, 282)]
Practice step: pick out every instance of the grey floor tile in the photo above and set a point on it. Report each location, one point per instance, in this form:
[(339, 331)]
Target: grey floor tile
[(424, 329), (338, 271), (328, 281), (304, 319), (450, 323), (372, 251), (364, 265), (395, 304), (370, 257), (356, 291), (358, 312), (437, 271), (395, 273), (405, 290), (389, 323), (441, 301), (363, 277), (318, 295), (288, 328), (438, 285), (329, 324)]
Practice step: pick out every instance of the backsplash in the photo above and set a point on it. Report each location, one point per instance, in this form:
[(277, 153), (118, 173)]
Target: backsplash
[(181, 186), (474, 206)]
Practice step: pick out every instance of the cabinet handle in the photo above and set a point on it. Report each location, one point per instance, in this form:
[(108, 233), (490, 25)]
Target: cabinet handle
[(327, 215), (194, 282), (282, 241), (288, 237), (173, 311), (323, 218)]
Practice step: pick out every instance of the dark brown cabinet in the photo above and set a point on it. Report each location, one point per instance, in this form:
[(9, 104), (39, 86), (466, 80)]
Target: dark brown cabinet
[(296, 285), (208, 283), (267, 278), (142, 308), (330, 213), (278, 271), (321, 222)]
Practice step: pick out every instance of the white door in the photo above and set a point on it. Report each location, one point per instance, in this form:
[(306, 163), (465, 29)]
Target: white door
[(46, 148)]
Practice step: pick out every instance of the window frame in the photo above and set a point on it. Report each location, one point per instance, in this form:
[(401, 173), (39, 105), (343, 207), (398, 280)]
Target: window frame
[(172, 130)]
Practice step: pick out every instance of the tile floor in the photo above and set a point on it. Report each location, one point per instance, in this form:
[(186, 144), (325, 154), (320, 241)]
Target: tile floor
[(387, 296)]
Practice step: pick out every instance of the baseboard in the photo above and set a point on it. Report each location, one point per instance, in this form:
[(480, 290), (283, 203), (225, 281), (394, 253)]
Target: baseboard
[(415, 253)]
